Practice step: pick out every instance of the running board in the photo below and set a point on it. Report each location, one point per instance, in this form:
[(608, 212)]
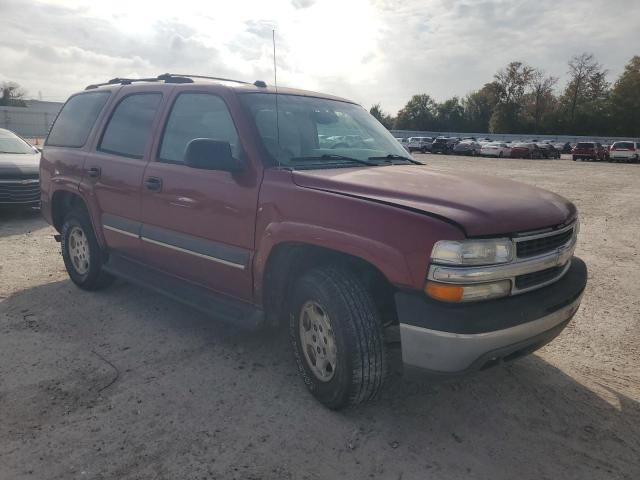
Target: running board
[(235, 312)]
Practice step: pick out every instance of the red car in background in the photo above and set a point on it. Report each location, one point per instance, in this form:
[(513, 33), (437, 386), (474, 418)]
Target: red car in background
[(526, 150), (589, 151)]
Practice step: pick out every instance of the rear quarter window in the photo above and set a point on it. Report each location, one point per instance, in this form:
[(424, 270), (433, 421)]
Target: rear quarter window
[(76, 119)]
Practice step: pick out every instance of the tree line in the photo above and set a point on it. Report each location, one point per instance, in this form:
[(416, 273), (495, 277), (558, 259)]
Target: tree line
[(524, 99)]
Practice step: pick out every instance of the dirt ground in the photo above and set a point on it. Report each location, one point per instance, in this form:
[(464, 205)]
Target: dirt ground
[(125, 384)]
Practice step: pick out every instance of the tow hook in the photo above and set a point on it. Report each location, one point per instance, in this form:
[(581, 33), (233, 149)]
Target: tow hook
[(57, 237)]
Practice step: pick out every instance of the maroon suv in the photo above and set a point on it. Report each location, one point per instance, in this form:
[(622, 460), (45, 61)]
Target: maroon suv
[(248, 204), (589, 151)]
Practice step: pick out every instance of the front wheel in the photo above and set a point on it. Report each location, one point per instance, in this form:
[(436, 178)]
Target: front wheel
[(81, 253), (336, 334)]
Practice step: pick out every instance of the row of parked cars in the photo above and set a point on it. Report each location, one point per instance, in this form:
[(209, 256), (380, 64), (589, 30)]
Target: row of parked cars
[(622, 151), (485, 147)]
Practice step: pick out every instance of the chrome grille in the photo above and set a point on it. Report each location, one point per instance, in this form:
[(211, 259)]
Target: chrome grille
[(18, 192), (543, 243), (537, 278)]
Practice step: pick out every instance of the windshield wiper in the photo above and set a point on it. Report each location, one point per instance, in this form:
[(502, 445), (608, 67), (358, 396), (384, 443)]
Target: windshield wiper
[(393, 156), (331, 156)]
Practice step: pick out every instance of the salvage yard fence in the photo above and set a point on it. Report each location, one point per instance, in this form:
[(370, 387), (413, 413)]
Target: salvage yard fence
[(32, 121)]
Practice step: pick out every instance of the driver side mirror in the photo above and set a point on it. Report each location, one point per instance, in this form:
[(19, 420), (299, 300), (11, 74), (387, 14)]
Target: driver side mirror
[(208, 154)]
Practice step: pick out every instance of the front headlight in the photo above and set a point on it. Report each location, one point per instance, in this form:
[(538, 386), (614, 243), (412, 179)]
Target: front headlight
[(472, 252)]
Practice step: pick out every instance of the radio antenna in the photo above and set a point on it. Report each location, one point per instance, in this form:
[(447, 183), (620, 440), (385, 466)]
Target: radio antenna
[(275, 82)]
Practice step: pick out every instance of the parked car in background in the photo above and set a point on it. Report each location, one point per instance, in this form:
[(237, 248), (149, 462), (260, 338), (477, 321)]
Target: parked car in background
[(404, 142), (548, 151), (419, 144), (495, 149), (525, 150), (443, 145), (625, 152), (467, 147), (150, 181), (19, 163), (562, 147), (588, 151)]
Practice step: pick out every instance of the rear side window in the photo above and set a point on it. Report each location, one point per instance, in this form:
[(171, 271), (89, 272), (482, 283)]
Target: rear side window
[(197, 115), (75, 121), (129, 127)]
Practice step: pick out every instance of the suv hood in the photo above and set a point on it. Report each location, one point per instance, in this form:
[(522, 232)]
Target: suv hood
[(481, 205), (18, 164)]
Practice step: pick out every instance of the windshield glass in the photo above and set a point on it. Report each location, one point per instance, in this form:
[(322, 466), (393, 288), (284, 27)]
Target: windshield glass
[(317, 132), (586, 145), (9, 143)]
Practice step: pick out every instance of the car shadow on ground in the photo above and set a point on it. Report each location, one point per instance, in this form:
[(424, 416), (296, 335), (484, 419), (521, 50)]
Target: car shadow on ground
[(527, 414), (20, 221)]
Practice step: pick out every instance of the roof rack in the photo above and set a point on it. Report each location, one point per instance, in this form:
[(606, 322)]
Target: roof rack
[(170, 78), (169, 75)]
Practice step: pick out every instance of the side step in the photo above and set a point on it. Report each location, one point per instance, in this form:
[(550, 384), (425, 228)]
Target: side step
[(235, 312)]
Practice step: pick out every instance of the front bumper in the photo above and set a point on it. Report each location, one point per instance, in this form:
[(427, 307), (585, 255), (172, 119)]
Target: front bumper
[(453, 339)]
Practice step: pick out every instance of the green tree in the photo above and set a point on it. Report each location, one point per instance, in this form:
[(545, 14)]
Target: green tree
[(541, 97), (585, 92), (418, 114), (512, 83), (450, 115), (478, 107), (385, 119), (625, 100)]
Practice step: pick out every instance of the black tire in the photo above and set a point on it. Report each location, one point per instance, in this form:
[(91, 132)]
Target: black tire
[(360, 366), (94, 278)]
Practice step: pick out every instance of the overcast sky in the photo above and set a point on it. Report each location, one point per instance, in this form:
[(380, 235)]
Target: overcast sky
[(369, 51)]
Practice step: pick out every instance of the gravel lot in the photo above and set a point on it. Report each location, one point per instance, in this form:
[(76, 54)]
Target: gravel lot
[(126, 384)]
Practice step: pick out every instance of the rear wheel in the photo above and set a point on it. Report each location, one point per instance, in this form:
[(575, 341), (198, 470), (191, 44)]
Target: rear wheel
[(336, 334), (81, 253)]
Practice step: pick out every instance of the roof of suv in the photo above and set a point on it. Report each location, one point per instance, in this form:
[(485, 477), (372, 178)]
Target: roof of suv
[(239, 86)]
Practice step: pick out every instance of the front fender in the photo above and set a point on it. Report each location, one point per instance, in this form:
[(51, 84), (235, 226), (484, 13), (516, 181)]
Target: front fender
[(384, 257), (395, 240)]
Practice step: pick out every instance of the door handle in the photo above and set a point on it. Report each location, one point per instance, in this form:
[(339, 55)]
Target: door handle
[(153, 183), (94, 172)]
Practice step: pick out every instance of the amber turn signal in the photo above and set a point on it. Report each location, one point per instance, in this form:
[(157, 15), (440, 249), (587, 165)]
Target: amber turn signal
[(444, 292)]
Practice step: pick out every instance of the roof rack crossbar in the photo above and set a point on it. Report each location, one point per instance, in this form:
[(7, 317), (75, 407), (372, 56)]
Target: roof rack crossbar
[(166, 77), (121, 81)]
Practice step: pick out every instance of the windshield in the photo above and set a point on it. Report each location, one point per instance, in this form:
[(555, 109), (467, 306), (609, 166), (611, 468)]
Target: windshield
[(9, 143), (627, 145), (586, 145), (317, 132)]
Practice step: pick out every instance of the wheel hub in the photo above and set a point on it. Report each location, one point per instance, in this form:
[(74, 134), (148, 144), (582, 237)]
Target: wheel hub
[(79, 250), (318, 341)]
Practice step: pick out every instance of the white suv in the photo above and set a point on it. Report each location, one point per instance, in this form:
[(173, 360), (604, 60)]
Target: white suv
[(625, 151), (422, 144)]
